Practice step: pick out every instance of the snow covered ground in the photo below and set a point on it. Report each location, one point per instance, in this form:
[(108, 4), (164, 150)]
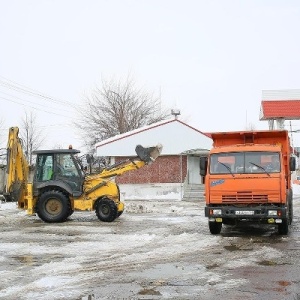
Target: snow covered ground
[(158, 249)]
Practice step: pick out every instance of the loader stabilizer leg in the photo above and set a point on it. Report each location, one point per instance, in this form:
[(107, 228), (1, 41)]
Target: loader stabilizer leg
[(8, 197), (148, 155)]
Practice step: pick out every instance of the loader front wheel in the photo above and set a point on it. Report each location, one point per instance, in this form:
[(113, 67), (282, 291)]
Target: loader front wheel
[(53, 207), (106, 210), (119, 213)]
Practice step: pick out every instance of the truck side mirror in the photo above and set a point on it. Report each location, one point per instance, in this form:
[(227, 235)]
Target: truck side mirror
[(203, 165), (292, 163)]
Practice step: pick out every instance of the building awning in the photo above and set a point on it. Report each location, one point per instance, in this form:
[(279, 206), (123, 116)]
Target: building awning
[(197, 152)]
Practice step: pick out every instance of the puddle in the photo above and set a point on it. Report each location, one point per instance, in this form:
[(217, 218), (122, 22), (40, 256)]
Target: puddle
[(271, 263), (89, 297), (213, 266), (232, 248), (267, 263), (149, 292), (169, 271), (284, 283), (36, 260)]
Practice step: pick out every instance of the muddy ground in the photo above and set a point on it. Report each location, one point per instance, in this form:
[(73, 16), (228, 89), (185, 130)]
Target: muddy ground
[(155, 250)]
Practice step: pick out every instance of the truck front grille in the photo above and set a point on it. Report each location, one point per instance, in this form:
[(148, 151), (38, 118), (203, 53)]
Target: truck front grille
[(242, 197)]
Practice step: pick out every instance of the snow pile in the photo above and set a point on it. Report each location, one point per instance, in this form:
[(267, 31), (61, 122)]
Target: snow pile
[(168, 196), (296, 189), (7, 205)]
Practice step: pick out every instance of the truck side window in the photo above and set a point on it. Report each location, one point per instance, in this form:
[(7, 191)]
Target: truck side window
[(213, 164)]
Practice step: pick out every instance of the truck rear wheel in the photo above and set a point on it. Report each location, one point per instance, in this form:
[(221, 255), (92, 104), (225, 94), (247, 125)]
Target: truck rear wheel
[(106, 210), (215, 227), (53, 207), (283, 228), (291, 212)]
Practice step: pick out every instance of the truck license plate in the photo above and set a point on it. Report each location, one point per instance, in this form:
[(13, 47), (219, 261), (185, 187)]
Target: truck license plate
[(244, 212)]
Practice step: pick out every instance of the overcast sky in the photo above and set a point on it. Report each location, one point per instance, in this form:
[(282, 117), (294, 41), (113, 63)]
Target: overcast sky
[(210, 59)]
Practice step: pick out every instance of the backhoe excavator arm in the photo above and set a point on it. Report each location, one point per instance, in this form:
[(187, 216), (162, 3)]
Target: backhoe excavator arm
[(144, 157), (17, 170)]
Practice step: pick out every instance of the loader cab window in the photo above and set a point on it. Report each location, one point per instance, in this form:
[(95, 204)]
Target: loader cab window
[(67, 170), (44, 167), (65, 166)]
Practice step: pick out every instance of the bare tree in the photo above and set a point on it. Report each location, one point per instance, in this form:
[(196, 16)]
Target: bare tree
[(2, 132), (3, 143), (31, 136), (117, 107)]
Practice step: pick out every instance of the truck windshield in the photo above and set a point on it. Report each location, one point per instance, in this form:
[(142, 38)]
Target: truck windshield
[(244, 162)]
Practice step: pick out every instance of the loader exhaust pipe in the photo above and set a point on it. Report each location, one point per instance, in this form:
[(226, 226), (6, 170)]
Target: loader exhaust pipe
[(148, 155)]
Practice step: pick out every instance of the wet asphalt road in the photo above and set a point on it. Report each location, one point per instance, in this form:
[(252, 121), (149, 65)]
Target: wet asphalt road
[(155, 250)]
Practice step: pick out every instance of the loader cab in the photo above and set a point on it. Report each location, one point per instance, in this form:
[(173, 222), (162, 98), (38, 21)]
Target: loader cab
[(58, 168)]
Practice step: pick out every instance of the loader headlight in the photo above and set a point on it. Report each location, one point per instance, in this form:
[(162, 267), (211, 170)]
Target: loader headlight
[(272, 212)]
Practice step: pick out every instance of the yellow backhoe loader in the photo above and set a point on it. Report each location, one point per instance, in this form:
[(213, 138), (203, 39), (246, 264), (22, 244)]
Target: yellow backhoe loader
[(59, 186)]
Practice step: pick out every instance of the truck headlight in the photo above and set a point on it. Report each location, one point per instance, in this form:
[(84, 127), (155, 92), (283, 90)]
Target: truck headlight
[(217, 211), (272, 212)]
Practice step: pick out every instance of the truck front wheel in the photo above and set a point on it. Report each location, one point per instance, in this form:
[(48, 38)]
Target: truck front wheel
[(53, 207), (215, 227), (283, 228), (106, 210)]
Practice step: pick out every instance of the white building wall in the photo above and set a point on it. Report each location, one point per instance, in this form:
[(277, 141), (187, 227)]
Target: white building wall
[(174, 136)]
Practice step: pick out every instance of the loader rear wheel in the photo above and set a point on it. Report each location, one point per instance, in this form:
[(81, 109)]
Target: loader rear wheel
[(53, 207), (215, 227), (106, 210), (71, 211)]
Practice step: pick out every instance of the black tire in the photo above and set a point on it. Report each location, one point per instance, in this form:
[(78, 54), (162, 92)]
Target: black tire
[(291, 213), (228, 221), (283, 228), (71, 211), (53, 207), (290, 203), (106, 210), (215, 227), (119, 213)]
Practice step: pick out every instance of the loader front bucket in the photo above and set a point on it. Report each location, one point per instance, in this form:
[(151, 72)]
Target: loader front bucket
[(148, 155)]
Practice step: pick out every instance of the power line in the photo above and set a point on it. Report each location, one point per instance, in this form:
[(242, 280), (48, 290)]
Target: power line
[(10, 100), (15, 97), (24, 89)]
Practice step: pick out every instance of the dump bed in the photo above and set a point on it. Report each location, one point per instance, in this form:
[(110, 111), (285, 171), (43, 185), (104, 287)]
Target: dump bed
[(267, 137)]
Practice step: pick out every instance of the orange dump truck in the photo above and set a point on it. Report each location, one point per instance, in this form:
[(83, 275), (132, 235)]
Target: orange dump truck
[(248, 179)]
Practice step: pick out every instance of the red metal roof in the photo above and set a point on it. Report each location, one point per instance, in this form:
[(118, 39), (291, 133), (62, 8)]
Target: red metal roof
[(276, 109)]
